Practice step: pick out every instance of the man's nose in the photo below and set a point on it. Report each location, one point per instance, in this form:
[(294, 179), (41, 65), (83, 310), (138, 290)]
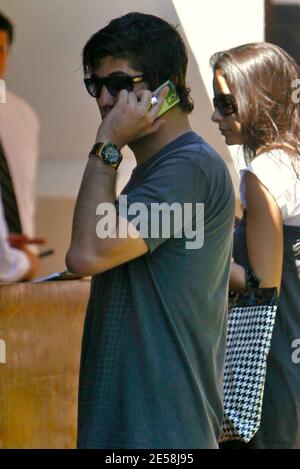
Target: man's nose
[(106, 99)]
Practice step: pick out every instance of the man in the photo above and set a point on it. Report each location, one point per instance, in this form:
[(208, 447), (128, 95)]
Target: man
[(154, 337), (19, 128), (15, 264)]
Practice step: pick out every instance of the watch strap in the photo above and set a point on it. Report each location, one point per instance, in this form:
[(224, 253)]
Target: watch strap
[(97, 151)]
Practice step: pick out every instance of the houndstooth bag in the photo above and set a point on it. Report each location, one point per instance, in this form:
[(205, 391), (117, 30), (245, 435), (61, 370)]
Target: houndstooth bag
[(250, 326)]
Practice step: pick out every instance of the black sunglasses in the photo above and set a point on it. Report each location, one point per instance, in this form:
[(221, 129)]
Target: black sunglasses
[(113, 83), (225, 104)]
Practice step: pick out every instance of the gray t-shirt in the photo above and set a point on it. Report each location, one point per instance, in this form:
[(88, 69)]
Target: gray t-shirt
[(154, 338)]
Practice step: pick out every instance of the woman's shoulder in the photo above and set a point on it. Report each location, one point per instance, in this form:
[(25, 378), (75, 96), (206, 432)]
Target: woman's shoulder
[(274, 168)]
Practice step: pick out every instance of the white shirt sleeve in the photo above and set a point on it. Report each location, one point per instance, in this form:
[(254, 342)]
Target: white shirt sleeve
[(275, 171), (13, 263)]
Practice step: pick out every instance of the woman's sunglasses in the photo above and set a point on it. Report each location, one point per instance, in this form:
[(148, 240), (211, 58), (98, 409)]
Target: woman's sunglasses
[(225, 104), (113, 83)]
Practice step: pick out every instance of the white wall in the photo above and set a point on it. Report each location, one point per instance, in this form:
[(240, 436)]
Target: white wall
[(210, 26), (46, 57), (219, 26)]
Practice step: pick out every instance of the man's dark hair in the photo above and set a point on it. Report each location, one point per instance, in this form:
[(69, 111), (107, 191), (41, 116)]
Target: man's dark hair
[(6, 25), (150, 44)]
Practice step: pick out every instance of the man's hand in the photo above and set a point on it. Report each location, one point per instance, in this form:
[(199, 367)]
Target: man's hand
[(131, 118), (21, 242)]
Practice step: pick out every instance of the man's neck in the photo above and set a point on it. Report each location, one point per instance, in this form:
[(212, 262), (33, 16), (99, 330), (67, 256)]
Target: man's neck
[(177, 124)]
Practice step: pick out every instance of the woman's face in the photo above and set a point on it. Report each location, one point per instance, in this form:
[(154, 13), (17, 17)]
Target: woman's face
[(225, 113)]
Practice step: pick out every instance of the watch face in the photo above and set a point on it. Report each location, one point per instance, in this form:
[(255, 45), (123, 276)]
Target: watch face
[(111, 154)]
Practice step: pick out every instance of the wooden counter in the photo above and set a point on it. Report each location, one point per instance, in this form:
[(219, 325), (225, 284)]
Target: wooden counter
[(40, 333)]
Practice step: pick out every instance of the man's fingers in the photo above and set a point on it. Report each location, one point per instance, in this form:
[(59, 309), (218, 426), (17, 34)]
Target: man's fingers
[(132, 99), (154, 111), (144, 97), (122, 97), (132, 117)]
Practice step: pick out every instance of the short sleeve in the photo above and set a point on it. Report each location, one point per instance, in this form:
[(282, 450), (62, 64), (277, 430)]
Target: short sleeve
[(166, 202), (273, 171)]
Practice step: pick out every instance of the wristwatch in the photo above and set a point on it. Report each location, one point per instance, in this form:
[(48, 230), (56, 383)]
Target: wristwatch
[(107, 152)]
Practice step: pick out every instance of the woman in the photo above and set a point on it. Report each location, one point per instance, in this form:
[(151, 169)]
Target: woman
[(257, 105)]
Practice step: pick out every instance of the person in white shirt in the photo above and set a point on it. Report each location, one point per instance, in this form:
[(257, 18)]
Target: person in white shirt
[(19, 129), (19, 133), (257, 106), (17, 262)]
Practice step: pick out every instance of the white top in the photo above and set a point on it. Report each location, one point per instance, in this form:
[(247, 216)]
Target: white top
[(19, 129), (13, 263), (280, 174)]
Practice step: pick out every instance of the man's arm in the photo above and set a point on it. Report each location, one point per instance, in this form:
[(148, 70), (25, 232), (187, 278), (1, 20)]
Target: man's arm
[(264, 237), (88, 254)]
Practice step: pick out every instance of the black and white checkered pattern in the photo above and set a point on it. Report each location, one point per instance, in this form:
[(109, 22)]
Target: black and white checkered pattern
[(248, 343)]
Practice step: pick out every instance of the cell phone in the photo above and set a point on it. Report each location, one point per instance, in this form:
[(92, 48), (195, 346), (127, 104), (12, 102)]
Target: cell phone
[(2, 92), (171, 99)]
